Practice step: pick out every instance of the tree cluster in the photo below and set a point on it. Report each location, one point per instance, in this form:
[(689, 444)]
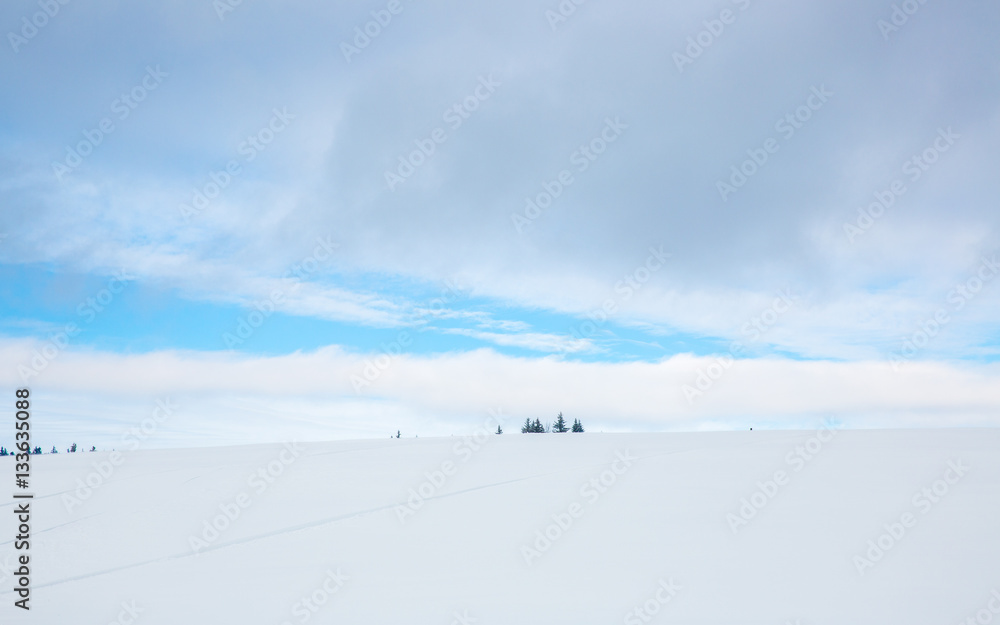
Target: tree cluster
[(532, 427), (537, 427), (38, 450)]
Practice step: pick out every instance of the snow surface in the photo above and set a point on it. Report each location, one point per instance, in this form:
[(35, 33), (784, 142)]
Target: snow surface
[(460, 558)]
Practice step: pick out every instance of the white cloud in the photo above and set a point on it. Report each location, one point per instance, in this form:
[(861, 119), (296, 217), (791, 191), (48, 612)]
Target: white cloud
[(324, 176), (536, 341), (310, 395)]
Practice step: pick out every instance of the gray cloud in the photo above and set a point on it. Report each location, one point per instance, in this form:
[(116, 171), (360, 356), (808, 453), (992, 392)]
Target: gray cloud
[(656, 184)]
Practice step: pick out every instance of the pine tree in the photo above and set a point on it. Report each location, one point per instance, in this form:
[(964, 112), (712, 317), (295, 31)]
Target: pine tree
[(538, 427), (397, 433), (3, 452), (54, 450), (527, 427), (560, 425), (72, 448), (577, 426), (499, 430), (93, 448), (36, 451)]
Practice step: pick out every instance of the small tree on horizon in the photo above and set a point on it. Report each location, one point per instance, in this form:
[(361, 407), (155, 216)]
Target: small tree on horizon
[(499, 430), (538, 427), (560, 425), (577, 426), (527, 427)]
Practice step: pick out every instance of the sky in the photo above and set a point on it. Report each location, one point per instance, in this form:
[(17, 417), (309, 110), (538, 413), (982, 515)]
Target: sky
[(305, 221)]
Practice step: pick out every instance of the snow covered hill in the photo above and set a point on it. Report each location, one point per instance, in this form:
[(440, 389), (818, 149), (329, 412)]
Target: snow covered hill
[(762, 527)]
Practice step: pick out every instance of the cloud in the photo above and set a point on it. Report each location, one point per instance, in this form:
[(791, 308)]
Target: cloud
[(537, 138), (436, 395), (530, 340)]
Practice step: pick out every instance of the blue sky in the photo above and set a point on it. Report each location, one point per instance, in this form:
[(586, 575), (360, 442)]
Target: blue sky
[(595, 214), (38, 301)]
